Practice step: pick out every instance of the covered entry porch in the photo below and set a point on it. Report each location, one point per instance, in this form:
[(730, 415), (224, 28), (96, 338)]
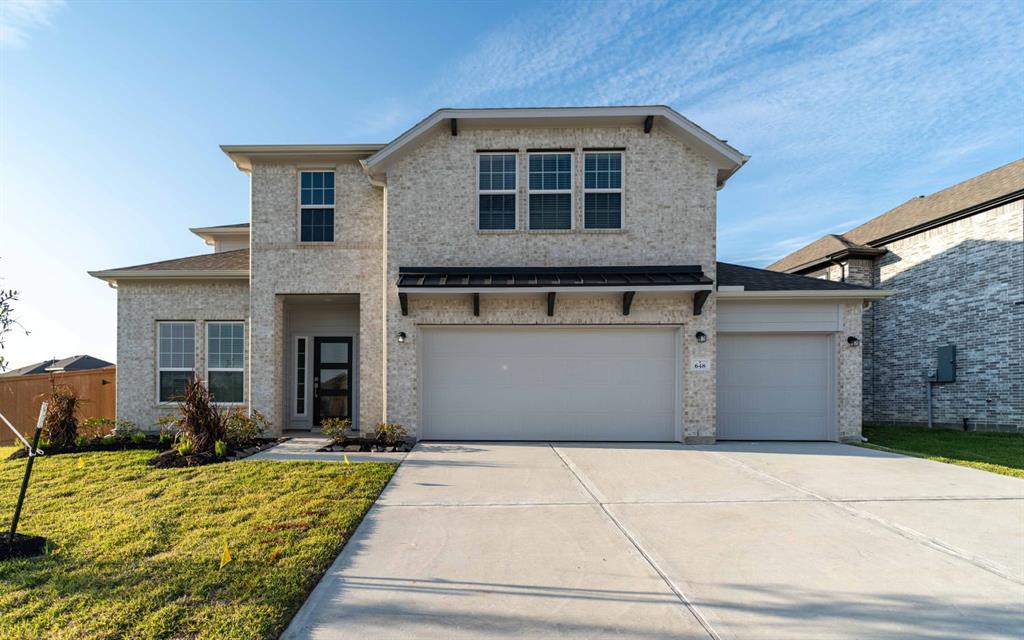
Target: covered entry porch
[(320, 363)]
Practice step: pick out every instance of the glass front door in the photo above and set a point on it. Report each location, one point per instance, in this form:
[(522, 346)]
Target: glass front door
[(332, 379)]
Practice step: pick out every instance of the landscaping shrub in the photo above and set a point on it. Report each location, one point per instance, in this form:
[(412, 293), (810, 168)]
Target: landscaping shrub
[(220, 449), (335, 428), (125, 430), (95, 428), (185, 446), (391, 434), (242, 429), (61, 423), (200, 420)]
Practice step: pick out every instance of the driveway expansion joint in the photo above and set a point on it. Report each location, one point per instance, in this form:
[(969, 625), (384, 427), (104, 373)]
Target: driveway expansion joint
[(683, 599), (901, 530)]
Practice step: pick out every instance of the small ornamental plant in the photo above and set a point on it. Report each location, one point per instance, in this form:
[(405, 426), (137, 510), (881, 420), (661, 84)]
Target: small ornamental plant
[(184, 446), (60, 426), (220, 449), (336, 429), (391, 434)]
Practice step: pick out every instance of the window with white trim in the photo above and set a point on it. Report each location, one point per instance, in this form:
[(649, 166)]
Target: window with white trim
[(497, 186), (602, 190), (176, 359), (316, 206), (550, 190), (225, 361), (300, 376)]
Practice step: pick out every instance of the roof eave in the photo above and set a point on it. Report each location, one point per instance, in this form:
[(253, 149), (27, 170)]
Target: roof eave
[(804, 294), (114, 275), (728, 158), (845, 254), (243, 155)]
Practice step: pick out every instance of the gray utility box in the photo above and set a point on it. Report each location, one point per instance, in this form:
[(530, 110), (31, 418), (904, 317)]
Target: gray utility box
[(946, 369)]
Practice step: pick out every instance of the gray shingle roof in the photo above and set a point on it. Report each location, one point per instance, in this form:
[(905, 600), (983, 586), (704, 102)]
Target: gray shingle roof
[(222, 261), (914, 213), (753, 279), (74, 363)]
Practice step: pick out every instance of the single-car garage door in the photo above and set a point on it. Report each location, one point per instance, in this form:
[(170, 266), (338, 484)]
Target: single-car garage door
[(548, 383), (775, 387)]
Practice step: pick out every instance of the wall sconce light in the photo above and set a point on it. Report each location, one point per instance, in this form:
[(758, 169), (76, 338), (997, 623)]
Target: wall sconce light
[(701, 337), (401, 337), (852, 341)]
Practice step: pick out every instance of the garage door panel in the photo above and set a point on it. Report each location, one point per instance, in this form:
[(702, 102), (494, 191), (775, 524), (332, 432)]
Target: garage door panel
[(775, 387), (548, 384)]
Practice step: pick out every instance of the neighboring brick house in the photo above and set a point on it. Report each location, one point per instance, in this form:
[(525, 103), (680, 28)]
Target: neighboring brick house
[(956, 260), (495, 274)]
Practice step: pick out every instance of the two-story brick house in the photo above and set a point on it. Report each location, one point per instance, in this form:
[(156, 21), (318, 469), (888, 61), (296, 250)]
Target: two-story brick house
[(495, 274)]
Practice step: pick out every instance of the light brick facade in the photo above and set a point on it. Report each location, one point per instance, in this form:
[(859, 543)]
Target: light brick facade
[(423, 213), (669, 218), (140, 306)]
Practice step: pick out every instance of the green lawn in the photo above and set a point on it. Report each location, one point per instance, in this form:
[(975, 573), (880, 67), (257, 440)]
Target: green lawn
[(137, 550), (996, 452)]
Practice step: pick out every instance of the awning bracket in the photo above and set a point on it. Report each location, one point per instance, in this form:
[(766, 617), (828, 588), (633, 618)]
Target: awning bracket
[(627, 301), (699, 298)]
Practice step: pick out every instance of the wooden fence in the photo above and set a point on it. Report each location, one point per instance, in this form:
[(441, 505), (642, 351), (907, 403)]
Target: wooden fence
[(20, 397)]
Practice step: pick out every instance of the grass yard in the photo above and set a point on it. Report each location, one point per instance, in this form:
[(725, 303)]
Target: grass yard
[(137, 550), (996, 452)]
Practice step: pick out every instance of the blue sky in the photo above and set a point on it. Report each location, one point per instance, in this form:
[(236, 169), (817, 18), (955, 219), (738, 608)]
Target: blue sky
[(111, 113)]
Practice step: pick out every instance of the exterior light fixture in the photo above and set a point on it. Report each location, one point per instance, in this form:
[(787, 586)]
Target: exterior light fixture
[(853, 341), (701, 337), (401, 337)]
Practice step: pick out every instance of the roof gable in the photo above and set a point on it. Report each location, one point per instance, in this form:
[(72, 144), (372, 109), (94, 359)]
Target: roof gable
[(726, 158)]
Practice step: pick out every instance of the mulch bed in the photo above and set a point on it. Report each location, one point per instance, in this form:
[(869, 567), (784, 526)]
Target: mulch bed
[(24, 546), (151, 442), (353, 445), (171, 459)]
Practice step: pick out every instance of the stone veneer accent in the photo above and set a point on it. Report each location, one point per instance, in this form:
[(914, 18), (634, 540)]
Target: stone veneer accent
[(669, 218), (962, 284), (281, 266), (848, 376), (139, 307)]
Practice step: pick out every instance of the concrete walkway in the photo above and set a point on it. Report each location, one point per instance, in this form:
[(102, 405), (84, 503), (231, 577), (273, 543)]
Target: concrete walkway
[(476, 540)]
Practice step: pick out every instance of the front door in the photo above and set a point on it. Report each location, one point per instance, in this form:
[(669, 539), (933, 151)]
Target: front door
[(332, 379)]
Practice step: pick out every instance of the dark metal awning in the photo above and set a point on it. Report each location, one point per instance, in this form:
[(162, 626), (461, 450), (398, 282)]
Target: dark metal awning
[(547, 279), (552, 280)]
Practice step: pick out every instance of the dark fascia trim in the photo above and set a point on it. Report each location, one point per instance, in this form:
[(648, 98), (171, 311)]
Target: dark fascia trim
[(497, 150), (550, 150), (455, 126), (686, 268), (938, 222), (604, 148)]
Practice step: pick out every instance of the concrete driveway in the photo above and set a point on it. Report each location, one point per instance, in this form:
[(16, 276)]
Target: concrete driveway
[(782, 540)]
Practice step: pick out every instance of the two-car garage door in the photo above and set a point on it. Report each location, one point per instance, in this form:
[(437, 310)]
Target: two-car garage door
[(549, 383)]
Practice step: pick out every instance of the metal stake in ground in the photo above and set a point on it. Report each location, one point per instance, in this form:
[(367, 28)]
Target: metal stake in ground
[(33, 451)]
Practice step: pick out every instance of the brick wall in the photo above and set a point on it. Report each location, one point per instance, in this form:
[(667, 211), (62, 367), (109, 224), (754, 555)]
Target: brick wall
[(959, 284), (669, 218)]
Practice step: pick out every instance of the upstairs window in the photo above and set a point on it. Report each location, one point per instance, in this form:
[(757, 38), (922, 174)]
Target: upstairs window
[(550, 190), (316, 206), (602, 190), (225, 360), (497, 185), (176, 359)]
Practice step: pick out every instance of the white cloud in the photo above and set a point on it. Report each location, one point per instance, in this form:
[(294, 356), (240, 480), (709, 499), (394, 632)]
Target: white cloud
[(848, 109), (18, 18)]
